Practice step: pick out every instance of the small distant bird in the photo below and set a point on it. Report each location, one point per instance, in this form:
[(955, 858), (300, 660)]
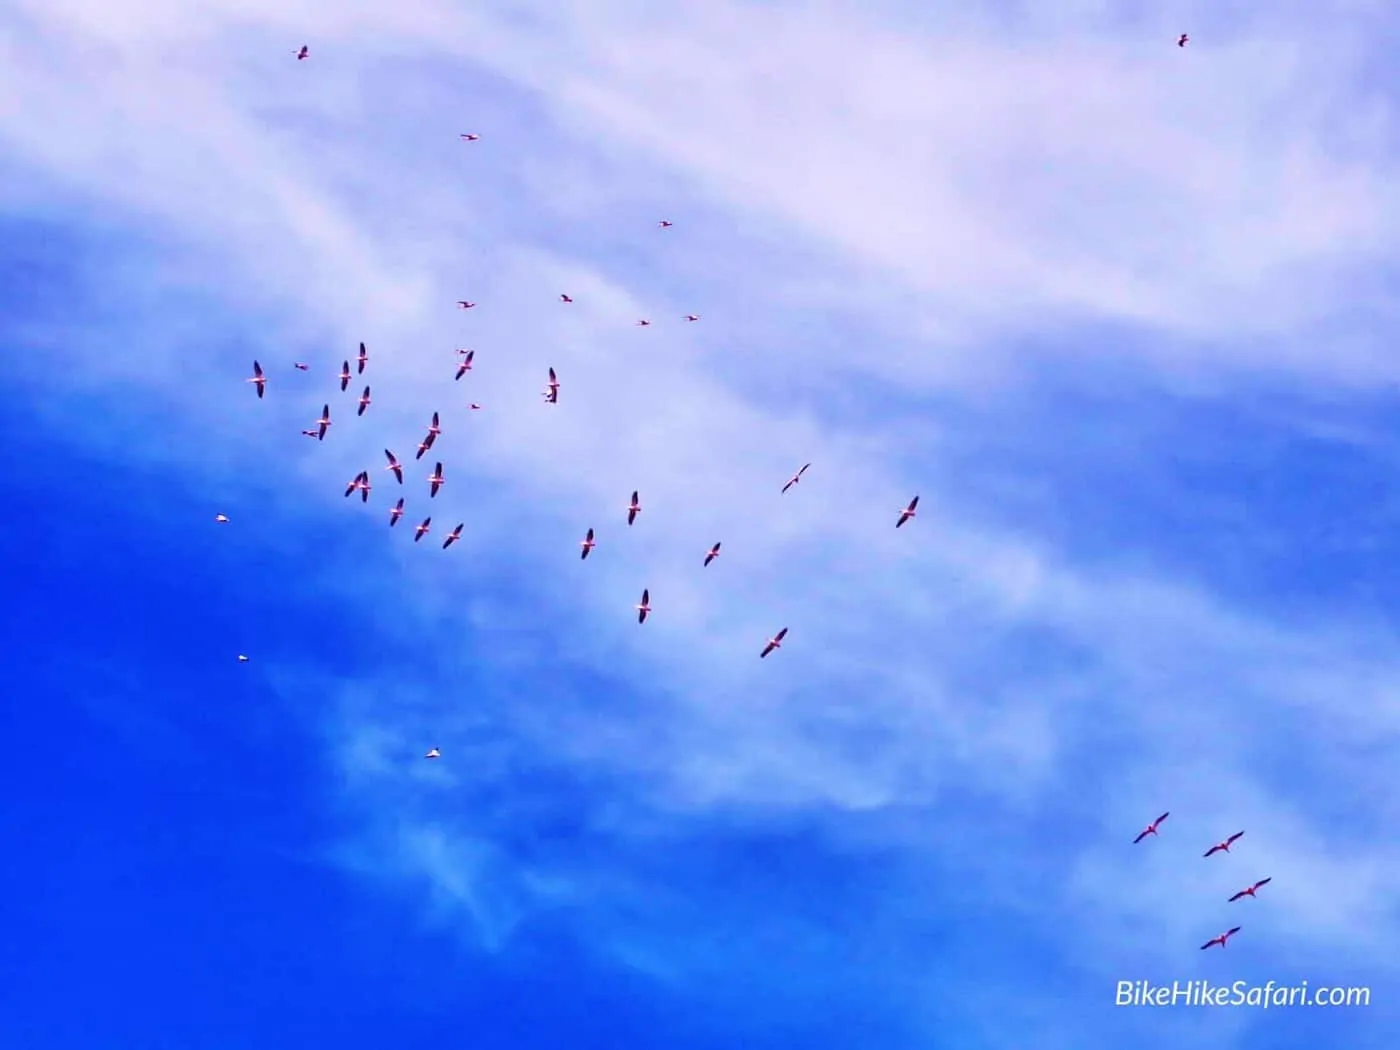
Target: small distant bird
[(467, 137), (258, 379), (364, 402), (796, 477), (633, 508), (464, 304), (1223, 847), (433, 753), (363, 359), (354, 485), (776, 642), (466, 365), (422, 529), (908, 512), (242, 659), (323, 423), (1249, 891), (692, 317), (1181, 40), (665, 225), (302, 52), (644, 606), (222, 519), (1151, 829), (344, 375), (474, 406), (551, 390), (565, 299), (396, 513), (310, 433), (454, 535), (435, 480), (643, 324), (1220, 940), (394, 465), (587, 544), (712, 555), (299, 366)]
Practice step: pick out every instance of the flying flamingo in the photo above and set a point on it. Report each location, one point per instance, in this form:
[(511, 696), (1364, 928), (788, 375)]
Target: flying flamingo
[(1222, 938), (422, 529), (258, 379), (364, 402), (588, 544), (776, 642), (1249, 891), (433, 753), (1151, 829), (454, 535), (644, 607), (396, 513), (222, 519), (796, 477), (692, 317), (435, 480), (474, 407), (1181, 40), (434, 429), (468, 137), (634, 508), (551, 390), (394, 465), (464, 304), (643, 324), (344, 375), (363, 359), (302, 52), (908, 512), (323, 423), (665, 225), (242, 659), (299, 366), (466, 365), (565, 299), (1223, 847), (358, 481), (310, 433), (712, 555)]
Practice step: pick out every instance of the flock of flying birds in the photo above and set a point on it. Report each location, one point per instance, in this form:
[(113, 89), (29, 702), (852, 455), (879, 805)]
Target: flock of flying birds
[(361, 483), (1223, 846)]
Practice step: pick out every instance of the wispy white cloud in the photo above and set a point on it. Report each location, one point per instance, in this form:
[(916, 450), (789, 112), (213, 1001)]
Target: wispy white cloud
[(881, 218)]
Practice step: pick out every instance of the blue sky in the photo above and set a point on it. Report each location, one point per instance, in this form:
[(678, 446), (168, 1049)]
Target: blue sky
[(1119, 312)]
